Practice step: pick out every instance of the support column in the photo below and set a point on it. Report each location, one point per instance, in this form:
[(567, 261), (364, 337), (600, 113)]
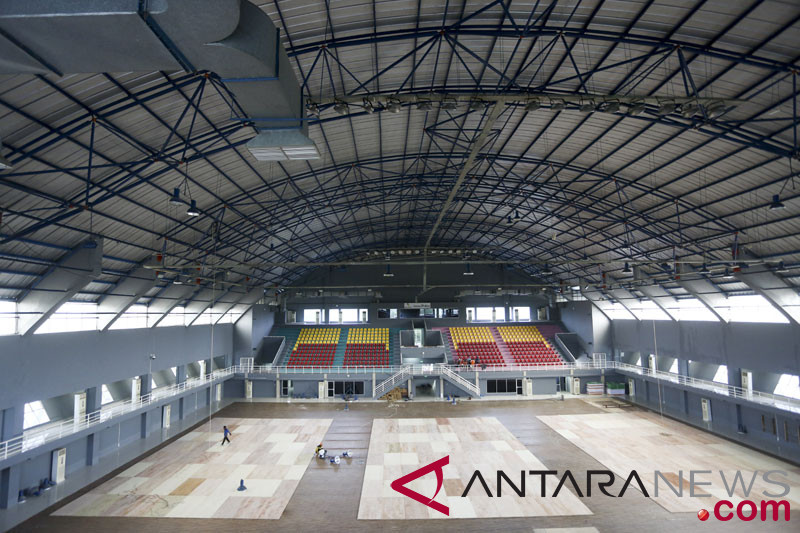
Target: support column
[(374, 384), (441, 387), (94, 400), (277, 386), (12, 423), (146, 416), (410, 384)]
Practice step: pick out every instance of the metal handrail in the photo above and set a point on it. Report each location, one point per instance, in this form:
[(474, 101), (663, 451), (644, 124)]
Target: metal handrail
[(36, 437), (390, 382), (783, 402), (39, 436)]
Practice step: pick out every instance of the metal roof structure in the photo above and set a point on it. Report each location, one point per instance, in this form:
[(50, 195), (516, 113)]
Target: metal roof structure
[(561, 136)]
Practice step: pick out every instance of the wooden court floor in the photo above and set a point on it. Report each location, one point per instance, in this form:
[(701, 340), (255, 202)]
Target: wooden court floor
[(328, 497)]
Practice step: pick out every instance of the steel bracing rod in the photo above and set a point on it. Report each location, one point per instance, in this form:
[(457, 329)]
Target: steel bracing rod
[(710, 81), (487, 30)]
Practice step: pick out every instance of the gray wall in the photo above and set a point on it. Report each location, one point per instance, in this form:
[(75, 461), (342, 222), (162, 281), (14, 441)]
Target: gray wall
[(37, 367), (758, 347)]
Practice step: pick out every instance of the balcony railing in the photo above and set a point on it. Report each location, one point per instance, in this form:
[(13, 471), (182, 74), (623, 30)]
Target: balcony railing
[(35, 437)]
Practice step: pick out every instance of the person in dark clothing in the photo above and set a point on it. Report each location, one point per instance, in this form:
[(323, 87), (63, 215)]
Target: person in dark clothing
[(225, 433)]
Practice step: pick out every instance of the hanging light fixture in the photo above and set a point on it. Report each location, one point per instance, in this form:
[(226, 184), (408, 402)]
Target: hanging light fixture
[(727, 274), (557, 104), (367, 104), (547, 271), (586, 106), (312, 109), (704, 269), (533, 104), (782, 268), (688, 110), (175, 199), (666, 107), (611, 106), (776, 203), (715, 109), (393, 106), (468, 271), (627, 269), (341, 107), (477, 104), (637, 108), (424, 104), (449, 104), (388, 273), (193, 211)]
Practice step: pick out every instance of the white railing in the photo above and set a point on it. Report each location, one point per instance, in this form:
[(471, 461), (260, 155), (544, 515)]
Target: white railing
[(775, 400), (456, 378), (36, 437), (391, 382)]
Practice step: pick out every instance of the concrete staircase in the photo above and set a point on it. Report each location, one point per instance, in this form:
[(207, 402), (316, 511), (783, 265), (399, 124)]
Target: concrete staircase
[(394, 347), (502, 346), (338, 355), (291, 335)]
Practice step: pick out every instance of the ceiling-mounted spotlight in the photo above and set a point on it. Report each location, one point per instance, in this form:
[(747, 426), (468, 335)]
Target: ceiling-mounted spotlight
[(715, 109), (666, 107), (533, 104), (627, 269), (193, 211), (611, 106), (636, 108), (586, 106), (312, 109), (688, 110), (367, 104), (393, 105), (477, 104), (175, 199), (449, 104), (388, 273), (776, 203), (341, 107), (468, 271), (557, 104), (424, 104)]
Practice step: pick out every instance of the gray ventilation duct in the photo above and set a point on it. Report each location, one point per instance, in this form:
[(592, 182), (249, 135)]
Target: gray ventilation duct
[(231, 38)]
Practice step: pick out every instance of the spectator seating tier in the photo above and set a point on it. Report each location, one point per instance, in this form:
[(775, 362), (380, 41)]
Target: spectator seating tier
[(315, 347), (475, 344), (367, 347), (528, 346)]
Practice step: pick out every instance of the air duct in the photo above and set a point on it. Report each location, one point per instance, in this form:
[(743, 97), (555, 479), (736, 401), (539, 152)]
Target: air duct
[(232, 38)]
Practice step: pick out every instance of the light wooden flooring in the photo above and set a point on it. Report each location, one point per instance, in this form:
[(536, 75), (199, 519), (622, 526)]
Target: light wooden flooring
[(197, 477), (401, 446), (643, 441)]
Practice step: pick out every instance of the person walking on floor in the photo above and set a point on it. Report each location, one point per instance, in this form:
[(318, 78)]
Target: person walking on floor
[(225, 433)]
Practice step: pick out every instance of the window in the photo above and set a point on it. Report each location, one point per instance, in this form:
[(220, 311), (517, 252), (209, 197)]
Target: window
[(72, 316), (788, 385), (174, 318), (447, 313), (722, 375), (750, 308), (348, 388), (334, 316), (135, 317), (206, 318), (521, 314), (617, 311), (8, 318), (106, 396), (690, 309), (231, 317), (673, 369), (387, 313), (503, 386), (647, 310), (349, 315), (34, 415), (312, 316), (490, 314)]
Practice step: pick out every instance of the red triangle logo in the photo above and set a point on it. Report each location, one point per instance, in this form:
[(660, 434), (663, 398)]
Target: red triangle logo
[(400, 485)]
